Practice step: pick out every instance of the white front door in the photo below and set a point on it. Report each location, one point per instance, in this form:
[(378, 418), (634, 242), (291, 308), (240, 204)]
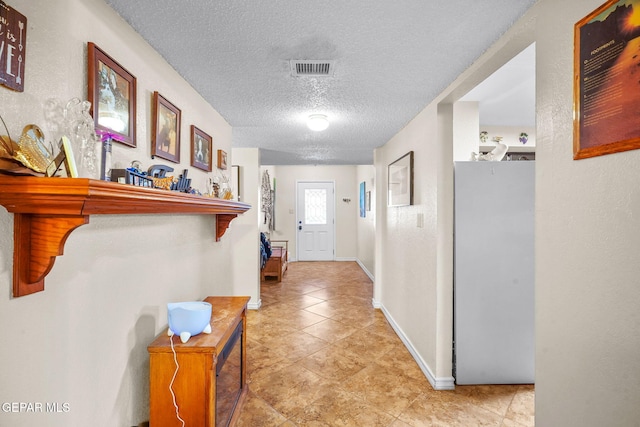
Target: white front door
[(315, 221)]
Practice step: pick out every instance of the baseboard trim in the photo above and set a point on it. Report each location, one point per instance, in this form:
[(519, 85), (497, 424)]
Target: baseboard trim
[(345, 259), (367, 272), (254, 305), (442, 383)]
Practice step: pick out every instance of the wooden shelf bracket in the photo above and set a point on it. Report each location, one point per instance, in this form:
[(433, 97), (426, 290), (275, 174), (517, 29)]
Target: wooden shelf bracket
[(37, 241)]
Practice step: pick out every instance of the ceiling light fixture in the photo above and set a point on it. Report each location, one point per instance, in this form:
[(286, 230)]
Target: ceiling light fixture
[(318, 122)]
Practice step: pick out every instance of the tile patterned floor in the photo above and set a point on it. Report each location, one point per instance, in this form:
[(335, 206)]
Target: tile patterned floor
[(320, 355)]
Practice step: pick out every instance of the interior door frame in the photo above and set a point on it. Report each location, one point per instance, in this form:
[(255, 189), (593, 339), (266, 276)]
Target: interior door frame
[(333, 226)]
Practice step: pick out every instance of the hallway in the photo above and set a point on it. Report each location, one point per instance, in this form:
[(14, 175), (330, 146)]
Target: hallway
[(320, 355)]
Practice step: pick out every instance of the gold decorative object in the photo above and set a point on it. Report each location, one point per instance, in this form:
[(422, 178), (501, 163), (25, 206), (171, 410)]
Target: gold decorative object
[(163, 183), (30, 151), (227, 194), (33, 152)]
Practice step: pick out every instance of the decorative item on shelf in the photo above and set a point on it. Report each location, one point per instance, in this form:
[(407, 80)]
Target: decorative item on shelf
[(105, 163), (213, 188), (182, 184), (484, 136), (132, 175), (29, 156), (495, 155), (226, 192), (73, 119), (164, 183), (524, 137), (158, 174), (159, 171), (65, 156)]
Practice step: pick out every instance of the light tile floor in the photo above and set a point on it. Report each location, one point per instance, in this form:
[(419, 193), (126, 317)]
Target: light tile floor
[(320, 355)]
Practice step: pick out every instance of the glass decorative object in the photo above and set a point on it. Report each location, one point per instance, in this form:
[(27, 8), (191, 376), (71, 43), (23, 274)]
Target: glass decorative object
[(72, 119)]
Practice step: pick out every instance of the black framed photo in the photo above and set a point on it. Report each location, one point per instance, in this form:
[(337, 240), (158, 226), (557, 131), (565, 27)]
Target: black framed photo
[(201, 146), (112, 94), (166, 129), (400, 181)]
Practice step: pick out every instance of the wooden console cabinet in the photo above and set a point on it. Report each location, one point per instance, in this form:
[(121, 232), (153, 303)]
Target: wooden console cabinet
[(210, 385)]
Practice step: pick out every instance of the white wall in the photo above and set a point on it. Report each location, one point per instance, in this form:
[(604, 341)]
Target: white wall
[(244, 230), (466, 129), (587, 239), (587, 245), (408, 248), (367, 225), (83, 340), (346, 186)]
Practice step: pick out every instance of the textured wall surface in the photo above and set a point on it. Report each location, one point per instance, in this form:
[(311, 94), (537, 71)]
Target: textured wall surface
[(587, 239), (367, 225), (587, 245), (82, 342)]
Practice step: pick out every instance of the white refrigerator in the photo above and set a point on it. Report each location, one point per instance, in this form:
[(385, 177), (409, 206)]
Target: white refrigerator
[(494, 272)]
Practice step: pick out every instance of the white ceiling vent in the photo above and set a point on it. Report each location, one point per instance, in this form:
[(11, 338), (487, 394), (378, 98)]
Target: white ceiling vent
[(312, 68)]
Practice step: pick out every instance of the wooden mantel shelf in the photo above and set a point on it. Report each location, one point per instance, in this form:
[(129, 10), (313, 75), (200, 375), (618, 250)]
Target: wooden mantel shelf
[(47, 210)]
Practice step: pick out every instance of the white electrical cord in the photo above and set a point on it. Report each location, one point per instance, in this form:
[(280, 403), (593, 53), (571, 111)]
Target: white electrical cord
[(175, 359)]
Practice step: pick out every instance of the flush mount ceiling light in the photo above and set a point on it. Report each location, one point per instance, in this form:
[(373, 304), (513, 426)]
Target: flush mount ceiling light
[(318, 122)]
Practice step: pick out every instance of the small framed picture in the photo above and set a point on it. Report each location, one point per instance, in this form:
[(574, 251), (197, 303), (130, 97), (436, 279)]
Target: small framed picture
[(222, 160), (400, 181), (166, 129), (66, 157), (112, 94), (201, 145)]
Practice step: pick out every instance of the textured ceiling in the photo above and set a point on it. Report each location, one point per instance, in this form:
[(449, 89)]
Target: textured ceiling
[(391, 59)]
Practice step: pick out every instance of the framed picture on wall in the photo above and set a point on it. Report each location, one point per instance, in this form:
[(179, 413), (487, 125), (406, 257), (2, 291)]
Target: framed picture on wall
[(605, 94), (400, 181), (222, 160), (165, 135), (201, 146), (363, 204), (235, 182), (112, 94)]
